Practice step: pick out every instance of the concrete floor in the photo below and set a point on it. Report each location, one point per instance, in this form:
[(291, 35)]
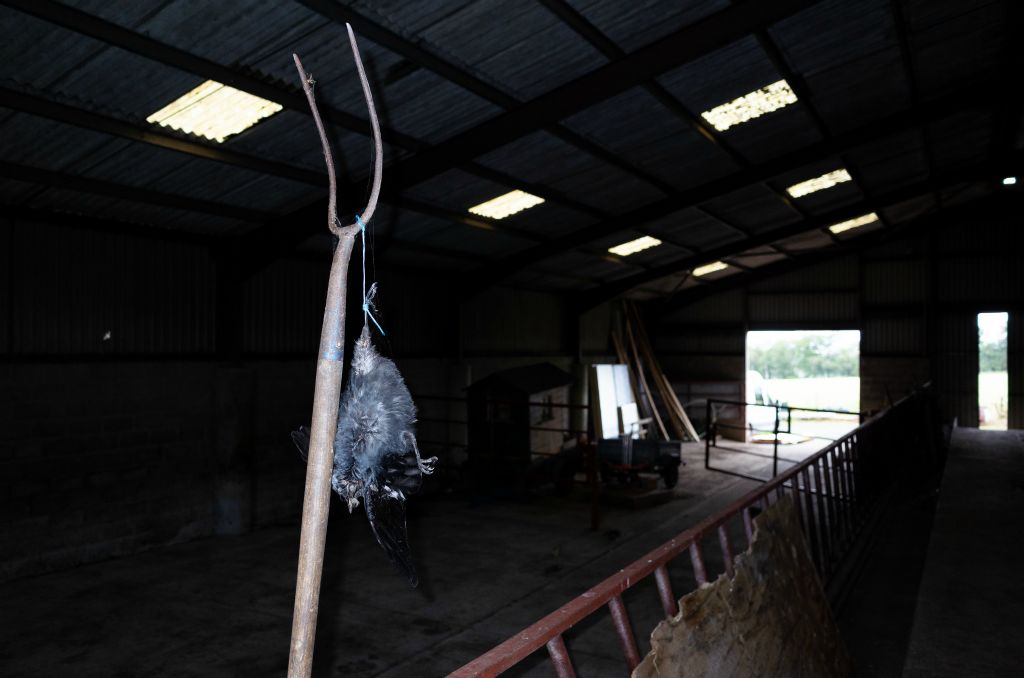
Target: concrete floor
[(756, 459), (970, 607), (222, 606)]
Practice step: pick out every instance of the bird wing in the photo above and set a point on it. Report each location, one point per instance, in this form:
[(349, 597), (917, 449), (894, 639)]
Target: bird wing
[(387, 519)]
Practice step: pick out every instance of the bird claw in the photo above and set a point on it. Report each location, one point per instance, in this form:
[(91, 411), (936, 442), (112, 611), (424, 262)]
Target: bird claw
[(350, 491), (427, 465)]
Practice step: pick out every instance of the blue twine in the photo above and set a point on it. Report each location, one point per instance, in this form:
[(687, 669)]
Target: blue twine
[(366, 303)]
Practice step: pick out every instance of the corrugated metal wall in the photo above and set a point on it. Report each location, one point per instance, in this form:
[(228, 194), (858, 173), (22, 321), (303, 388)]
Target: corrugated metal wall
[(915, 301), (283, 308), (514, 322), (955, 366), (75, 291)]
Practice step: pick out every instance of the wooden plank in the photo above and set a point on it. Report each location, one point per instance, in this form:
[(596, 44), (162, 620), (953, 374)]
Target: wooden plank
[(644, 385), (639, 333), (687, 424), (642, 399)]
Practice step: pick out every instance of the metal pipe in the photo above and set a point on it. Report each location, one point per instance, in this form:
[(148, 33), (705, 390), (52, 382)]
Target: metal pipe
[(810, 525), (560, 657), (700, 572), (823, 516), (668, 599), (620, 617), (775, 453), (723, 541)]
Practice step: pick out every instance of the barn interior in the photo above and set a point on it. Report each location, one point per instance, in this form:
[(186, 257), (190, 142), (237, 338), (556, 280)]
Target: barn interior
[(587, 207)]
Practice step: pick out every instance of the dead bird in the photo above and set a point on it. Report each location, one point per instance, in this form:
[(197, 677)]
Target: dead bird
[(376, 458)]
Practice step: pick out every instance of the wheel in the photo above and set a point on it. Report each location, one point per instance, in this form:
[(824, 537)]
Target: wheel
[(670, 474)]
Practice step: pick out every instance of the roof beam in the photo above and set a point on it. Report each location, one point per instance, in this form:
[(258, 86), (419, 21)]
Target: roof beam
[(522, 119), (90, 223), (589, 32), (993, 205), (305, 221), (907, 59), (419, 55), (63, 180), (678, 48), (600, 41), (29, 103), (888, 126), (127, 39), (618, 287), (290, 98), (1008, 117)]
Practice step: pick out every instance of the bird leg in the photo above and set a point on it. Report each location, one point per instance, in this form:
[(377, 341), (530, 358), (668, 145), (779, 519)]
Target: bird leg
[(426, 466)]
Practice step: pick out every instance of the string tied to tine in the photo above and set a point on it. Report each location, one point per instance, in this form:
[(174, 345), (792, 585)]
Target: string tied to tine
[(367, 298)]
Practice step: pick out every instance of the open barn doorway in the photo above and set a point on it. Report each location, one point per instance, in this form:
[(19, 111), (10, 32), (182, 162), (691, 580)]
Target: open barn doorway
[(993, 385), (805, 370)]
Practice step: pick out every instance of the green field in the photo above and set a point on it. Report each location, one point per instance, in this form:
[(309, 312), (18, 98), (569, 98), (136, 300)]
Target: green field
[(828, 393), (992, 390)]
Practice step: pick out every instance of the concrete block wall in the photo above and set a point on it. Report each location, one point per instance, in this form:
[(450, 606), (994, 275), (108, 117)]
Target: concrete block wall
[(100, 460), (105, 459)]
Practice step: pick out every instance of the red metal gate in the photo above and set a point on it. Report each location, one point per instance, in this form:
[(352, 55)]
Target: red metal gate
[(835, 491)]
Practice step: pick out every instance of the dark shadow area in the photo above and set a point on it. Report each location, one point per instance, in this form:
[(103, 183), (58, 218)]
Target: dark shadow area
[(876, 615)]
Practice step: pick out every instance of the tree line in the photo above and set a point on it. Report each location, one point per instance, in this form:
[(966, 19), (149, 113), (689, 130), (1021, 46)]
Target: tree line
[(809, 356), (992, 355)]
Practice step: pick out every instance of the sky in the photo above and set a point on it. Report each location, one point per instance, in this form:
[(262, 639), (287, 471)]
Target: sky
[(991, 327)]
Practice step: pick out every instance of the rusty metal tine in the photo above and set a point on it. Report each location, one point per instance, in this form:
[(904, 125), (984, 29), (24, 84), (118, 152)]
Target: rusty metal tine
[(668, 599), (620, 616)]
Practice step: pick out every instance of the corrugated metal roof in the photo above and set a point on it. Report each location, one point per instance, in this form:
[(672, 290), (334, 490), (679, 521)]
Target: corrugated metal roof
[(564, 168), (848, 52), (639, 128), (630, 24), (693, 228), (752, 209)]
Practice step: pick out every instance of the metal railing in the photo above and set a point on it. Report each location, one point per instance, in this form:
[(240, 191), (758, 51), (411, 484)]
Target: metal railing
[(714, 424), (461, 424), (835, 492)]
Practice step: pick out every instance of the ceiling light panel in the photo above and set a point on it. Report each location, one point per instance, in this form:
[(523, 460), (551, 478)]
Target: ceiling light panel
[(634, 246), (710, 268), (749, 106), (506, 205), (214, 111), (851, 224), (827, 180)]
